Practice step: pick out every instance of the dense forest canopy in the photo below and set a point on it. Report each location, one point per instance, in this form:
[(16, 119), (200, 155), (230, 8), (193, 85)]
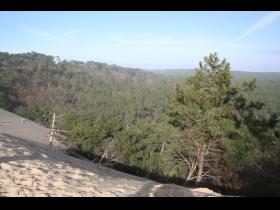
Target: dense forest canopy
[(209, 126)]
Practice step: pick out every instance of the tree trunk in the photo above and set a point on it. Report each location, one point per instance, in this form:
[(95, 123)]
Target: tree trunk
[(201, 154), (162, 148), (191, 171)]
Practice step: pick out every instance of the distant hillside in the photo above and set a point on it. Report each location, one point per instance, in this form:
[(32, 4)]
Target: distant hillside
[(96, 89), (176, 72)]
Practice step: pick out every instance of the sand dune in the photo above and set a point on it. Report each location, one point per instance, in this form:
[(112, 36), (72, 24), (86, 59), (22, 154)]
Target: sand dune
[(29, 169)]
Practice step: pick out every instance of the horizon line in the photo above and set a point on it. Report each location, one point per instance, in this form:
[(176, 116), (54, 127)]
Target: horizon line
[(130, 67)]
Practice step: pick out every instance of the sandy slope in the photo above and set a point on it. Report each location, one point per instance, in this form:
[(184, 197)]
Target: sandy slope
[(28, 168)]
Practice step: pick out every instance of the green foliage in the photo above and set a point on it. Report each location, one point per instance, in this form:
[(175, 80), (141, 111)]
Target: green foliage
[(139, 146), (131, 113), (38, 114), (149, 146), (214, 114), (241, 149), (90, 136), (5, 103)]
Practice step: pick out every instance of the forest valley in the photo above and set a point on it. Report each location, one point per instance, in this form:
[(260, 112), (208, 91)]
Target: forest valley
[(209, 127)]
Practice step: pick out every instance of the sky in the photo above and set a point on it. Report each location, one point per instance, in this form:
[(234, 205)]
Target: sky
[(150, 40)]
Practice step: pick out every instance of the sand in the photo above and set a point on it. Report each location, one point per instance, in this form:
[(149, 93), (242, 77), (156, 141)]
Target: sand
[(26, 171)]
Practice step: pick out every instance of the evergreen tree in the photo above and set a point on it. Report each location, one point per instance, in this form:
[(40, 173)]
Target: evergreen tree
[(210, 112)]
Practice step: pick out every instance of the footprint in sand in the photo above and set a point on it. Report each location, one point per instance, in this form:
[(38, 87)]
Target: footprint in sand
[(26, 182), (22, 171), (59, 166), (26, 153), (10, 150), (5, 166), (26, 192), (44, 156), (13, 191), (121, 190), (43, 188), (35, 171)]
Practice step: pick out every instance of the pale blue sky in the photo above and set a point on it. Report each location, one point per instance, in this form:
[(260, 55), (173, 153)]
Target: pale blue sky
[(152, 40)]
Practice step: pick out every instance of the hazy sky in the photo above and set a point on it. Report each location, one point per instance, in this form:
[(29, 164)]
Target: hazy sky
[(153, 40)]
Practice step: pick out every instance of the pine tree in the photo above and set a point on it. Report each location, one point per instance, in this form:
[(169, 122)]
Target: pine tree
[(210, 112)]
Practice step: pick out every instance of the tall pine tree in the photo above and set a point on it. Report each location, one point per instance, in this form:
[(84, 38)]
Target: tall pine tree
[(213, 116)]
